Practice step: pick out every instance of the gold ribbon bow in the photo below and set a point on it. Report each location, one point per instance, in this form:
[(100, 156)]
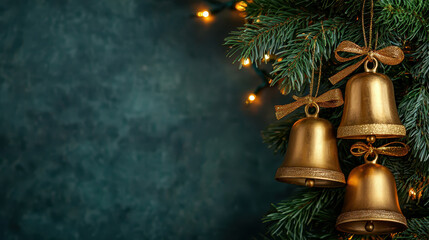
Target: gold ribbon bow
[(358, 149), (331, 98), (390, 55)]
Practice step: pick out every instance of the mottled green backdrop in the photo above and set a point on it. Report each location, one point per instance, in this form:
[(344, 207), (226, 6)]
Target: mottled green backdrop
[(123, 119)]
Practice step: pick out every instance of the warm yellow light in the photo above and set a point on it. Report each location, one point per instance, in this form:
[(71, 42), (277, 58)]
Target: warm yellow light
[(203, 14), (241, 6), (251, 98), (245, 62), (412, 193), (279, 59), (267, 57)]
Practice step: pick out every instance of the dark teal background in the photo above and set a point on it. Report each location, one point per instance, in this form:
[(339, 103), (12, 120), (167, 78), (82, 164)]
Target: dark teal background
[(123, 119)]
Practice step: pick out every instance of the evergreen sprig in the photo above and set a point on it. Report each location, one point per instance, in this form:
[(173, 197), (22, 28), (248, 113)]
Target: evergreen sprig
[(414, 113), (292, 72), (292, 219), (266, 34), (407, 18), (421, 68), (418, 228)]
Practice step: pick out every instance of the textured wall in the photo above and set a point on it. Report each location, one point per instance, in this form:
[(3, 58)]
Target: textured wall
[(122, 119)]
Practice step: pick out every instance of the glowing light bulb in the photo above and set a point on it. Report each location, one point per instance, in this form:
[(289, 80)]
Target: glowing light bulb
[(412, 193), (245, 62), (279, 59), (204, 14), (241, 6), (267, 57), (251, 98)]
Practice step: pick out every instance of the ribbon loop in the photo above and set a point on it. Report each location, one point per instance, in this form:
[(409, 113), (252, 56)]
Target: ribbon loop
[(332, 98), (396, 149), (390, 55)]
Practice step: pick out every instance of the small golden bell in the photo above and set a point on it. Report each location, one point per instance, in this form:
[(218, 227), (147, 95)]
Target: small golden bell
[(371, 203), (370, 108), (311, 157)]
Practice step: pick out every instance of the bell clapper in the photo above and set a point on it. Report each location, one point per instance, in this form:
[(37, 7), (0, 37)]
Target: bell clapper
[(370, 139), (309, 182), (369, 226)]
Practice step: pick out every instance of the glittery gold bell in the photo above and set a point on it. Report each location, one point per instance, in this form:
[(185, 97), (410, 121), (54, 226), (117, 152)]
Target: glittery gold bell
[(311, 157), (371, 203), (369, 107)]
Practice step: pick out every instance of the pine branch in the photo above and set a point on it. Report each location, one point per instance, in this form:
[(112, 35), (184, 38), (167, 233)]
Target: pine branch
[(267, 7), (418, 228), (420, 70), (294, 70), (329, 8), (265, 35), (291, 219), (408, 19), (414, 113), (407, 176)]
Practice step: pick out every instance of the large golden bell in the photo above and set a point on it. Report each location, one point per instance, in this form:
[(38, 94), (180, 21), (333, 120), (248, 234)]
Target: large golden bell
[(311, 157), (371, 203), (369, 107)]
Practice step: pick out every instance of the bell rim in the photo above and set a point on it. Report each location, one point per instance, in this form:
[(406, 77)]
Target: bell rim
[(379, 130), (287, 174), (371, 215)]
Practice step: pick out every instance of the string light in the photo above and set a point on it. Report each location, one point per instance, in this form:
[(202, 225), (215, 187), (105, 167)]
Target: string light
[(416, 193), (245, 61), (241, 6), (251, 98), (412, 193), (267, 57), (279, 59), (204, 14)]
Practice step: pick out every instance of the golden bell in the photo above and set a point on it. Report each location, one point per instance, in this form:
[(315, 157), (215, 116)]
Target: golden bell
[(311, 157), (369, 107), (371, 203)]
